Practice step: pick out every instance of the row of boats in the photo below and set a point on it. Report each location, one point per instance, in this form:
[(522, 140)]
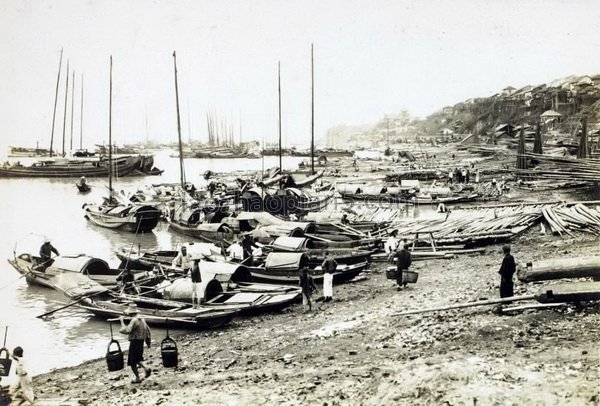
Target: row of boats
[(230, 286)]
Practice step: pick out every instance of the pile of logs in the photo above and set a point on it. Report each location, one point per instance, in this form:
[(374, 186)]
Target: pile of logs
[(561, 168), (564, 220)]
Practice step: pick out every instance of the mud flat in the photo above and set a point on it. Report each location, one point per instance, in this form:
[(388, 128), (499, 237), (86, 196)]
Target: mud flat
[(357, 351)]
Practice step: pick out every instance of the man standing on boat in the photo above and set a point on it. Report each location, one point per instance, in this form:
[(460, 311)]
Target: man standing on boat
[(46, 251), (138, 333), (196, 284), (184, 259)]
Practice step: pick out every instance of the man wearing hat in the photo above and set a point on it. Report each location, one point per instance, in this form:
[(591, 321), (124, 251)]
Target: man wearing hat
[(46, 251), (138, 333)]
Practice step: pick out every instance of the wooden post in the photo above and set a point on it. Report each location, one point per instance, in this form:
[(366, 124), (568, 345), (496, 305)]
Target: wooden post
[(65, 115), (72, 110), (55, 102), (312, 109), (181, 167), (279, 91), (110, 162), (81, 117)]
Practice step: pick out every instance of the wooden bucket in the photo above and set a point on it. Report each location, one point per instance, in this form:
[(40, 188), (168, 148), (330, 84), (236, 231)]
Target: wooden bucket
[(169, 352), (114, 358), (5, 363)]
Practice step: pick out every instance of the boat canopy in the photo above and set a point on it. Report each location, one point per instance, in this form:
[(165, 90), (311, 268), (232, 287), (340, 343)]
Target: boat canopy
[(286, 260), (81, 264), (76, 285), (292, 243), (214, 227), (224, 272), (267, 219)]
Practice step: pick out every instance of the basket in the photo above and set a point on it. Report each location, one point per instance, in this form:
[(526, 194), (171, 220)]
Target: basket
[(391, 273), (409, 276)]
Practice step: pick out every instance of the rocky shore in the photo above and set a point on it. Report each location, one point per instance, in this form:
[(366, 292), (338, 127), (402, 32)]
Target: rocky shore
[(356, 350)]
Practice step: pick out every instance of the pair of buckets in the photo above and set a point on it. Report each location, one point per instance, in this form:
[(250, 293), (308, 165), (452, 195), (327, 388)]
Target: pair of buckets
[(115, 359)]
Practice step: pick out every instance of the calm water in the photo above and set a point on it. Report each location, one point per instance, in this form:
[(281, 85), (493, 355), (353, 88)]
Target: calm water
[(32, 208)]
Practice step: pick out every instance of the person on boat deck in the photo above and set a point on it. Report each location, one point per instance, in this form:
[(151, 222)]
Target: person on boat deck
[(247, 245), (184, 259), (329, 266), (507, 270), (22, 390), (82, 181), (441, 208), (128, 286), (308, 287), (196, 284), (138, 333), (391, 244), (403, 262), (235, 251), (345, 220), (46, 251)]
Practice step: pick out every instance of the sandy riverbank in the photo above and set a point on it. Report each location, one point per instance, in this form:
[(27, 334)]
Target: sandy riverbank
[(356, 351)]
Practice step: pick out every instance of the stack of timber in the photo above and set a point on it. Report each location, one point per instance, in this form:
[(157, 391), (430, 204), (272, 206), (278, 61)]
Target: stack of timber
[(561, 168), (565, 220)]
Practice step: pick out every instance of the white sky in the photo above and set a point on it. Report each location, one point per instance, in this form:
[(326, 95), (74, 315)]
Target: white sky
[(372, 57)]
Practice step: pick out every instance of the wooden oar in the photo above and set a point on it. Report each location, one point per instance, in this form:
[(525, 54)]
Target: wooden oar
[(68, 305)]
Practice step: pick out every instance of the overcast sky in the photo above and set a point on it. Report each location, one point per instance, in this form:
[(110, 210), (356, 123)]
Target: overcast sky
[(371, 58)]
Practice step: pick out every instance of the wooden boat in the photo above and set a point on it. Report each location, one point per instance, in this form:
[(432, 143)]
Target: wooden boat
[(117, 211), (316, 254), (95, 268), (28, 152), (284, 267), (83, 186), (127, 216), (101, 302), (133, 258), (229, 286), (70, 168)]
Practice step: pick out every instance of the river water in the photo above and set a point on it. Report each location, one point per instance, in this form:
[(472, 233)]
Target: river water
[(33, 208)]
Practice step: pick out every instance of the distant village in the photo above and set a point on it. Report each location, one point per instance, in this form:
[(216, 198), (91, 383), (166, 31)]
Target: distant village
[(559, 108)]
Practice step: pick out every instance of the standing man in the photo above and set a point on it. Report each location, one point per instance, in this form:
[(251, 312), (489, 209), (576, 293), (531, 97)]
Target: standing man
[(138, 333), (308, 287), (23, 389), (506, 272), (391, 244), (196, 284), (46, 251), (247, 246), (329, 266), (185, 260), (403, 262)]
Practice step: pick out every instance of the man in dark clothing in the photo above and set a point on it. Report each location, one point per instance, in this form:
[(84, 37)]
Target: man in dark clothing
[(46, 251), (247, 246), (506, 273), (403, 262), (196, 284), (308, 287)]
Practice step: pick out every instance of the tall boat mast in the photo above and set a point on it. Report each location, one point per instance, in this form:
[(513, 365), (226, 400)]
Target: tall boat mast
[(72, 110), (65, 115), (110, 162), (81, 117), (55, 101), (181, 167), (279, 89), (312, 109)]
